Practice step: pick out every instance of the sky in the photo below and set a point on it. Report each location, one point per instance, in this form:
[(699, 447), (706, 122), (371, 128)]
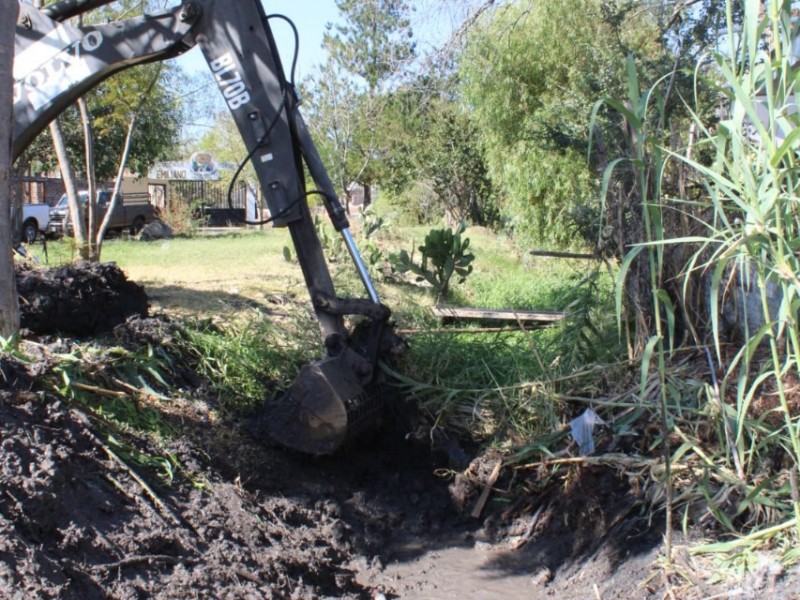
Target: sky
[(432, 21), (310, 18)]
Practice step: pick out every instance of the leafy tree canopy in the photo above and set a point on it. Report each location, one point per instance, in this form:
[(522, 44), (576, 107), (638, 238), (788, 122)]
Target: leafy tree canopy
[(531, 75), (374, 40), (433, 140)]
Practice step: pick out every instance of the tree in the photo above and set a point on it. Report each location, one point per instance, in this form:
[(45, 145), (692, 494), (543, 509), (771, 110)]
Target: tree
[(147, 91), (433, 140), (332, 99), (531, 77), (453, 161), (105, 121), (157, 131), (134, 109), (365, 55), (374, 41), (68, 175), (91, 171), (9, 305)]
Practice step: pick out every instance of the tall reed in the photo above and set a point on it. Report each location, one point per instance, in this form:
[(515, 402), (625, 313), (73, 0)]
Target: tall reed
[(733, 281), (749, 249)]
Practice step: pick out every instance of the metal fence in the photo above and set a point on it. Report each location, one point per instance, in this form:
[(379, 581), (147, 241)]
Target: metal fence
[(208, 194), (209, 200)]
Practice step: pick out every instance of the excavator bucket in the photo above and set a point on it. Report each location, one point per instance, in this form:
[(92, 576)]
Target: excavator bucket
[(325, 405)]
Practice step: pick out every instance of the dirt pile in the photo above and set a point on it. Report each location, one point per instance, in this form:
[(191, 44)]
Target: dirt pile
[(78, 522), (80, 300)]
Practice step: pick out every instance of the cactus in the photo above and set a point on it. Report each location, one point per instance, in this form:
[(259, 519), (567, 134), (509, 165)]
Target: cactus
[(444, 254)]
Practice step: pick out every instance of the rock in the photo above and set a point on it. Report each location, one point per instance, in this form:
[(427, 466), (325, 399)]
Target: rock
[(155, 230)]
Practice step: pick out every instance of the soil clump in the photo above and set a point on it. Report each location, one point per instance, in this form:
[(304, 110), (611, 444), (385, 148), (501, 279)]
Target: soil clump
[(82, 299)]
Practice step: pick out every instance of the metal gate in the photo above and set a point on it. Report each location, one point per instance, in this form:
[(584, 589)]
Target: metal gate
[(209, 200)]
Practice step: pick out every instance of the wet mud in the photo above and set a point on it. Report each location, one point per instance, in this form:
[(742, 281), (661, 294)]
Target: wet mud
[(397, 513)]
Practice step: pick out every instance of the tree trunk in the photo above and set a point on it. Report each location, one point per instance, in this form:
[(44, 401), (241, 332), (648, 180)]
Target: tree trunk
[(91, 180), (112, 203), (17, 191), (67, 174), (9, 304), (123, 161)]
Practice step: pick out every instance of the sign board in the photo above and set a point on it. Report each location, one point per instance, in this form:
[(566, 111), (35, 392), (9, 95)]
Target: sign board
[(200, 166)]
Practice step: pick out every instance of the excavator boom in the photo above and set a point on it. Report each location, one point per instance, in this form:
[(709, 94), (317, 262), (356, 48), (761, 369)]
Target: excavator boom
[(56, 62)]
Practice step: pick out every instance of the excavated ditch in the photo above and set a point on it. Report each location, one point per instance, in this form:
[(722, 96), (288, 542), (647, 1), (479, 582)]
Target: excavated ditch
[(83, 515)]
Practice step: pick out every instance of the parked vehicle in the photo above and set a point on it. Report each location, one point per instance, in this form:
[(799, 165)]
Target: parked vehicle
[(130, 213), (35, 218)]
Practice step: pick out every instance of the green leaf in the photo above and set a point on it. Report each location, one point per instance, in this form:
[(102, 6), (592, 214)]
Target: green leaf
[(645, 367), (633, 82), (669, 308), (620, 283), (789, 145)]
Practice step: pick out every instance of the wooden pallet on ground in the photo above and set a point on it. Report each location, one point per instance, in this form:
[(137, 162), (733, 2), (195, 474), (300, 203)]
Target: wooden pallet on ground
[(515, 319)]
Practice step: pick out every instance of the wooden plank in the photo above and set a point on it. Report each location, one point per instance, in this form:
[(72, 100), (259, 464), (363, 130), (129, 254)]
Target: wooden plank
[(553, 254), (527, 326), (478, 508), (502, 315)]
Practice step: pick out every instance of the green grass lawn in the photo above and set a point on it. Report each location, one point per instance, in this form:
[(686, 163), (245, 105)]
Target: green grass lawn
[(203, 273), (213, 273)]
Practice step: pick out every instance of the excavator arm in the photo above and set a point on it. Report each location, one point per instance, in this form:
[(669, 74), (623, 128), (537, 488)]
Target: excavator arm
[(57, 62)]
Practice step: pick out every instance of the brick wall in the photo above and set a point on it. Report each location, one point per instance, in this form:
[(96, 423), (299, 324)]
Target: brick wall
[(46, 190)]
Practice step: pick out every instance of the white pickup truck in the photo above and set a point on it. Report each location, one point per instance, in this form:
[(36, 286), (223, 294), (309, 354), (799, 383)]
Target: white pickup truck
[(35, 218)]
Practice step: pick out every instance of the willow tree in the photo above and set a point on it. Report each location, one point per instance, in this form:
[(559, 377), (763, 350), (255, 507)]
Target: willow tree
[(531, 74)]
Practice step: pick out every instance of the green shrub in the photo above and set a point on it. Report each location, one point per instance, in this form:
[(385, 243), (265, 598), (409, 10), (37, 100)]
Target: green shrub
[(444, 254), (184, 218)]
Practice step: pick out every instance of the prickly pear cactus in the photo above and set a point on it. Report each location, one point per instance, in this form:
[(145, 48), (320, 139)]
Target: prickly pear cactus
[(444, 254)]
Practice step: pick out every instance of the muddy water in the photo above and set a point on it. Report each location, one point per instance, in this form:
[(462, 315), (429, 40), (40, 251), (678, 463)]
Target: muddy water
[(459, 573)]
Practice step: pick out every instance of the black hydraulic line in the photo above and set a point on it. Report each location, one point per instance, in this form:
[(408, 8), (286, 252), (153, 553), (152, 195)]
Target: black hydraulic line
[(296, 43), (66, 9)]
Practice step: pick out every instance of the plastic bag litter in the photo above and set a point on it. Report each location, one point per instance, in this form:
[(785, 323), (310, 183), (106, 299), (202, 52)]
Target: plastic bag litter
[(583, 429)]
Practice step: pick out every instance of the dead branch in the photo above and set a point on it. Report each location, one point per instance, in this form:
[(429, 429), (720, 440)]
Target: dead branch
[(149, 559), (136, 477)]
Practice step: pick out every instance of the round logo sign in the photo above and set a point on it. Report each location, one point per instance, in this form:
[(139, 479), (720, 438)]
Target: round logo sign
[(202, 164)]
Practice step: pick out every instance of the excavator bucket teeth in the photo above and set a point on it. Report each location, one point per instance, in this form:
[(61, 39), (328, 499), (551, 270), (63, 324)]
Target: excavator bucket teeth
[(325, 404)]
